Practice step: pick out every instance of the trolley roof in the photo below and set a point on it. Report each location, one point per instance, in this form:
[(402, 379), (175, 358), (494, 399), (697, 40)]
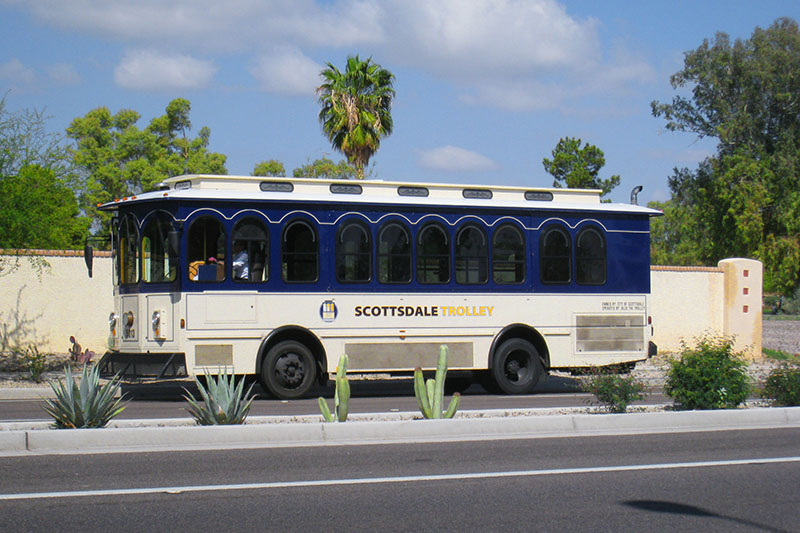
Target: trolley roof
[(280, 189)]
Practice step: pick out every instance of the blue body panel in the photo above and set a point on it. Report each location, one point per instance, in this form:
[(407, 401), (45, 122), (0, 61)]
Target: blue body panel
[(626, 235)]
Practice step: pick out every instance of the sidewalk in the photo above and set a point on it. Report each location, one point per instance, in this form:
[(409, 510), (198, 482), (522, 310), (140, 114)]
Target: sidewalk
[(269, 432)]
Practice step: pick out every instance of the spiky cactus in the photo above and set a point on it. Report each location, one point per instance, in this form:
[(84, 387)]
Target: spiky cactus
[(84, 405), (223, 403), (341, 397), (430, 394)]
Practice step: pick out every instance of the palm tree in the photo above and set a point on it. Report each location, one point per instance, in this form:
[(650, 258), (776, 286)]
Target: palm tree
[(356, 109)]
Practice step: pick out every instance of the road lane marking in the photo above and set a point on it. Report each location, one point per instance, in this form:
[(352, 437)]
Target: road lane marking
[(398, 479)]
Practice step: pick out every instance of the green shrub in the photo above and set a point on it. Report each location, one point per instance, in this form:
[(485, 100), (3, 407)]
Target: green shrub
[(34, 362), (708, 376), (224, 402), (88, 405), (783, 386), (612, 391)]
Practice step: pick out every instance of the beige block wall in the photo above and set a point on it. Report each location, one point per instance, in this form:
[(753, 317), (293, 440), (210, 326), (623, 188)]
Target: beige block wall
[(685, 303), (63, 301), (689, 302)]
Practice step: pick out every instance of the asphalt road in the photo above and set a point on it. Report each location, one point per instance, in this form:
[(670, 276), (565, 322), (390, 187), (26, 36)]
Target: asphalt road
[(165, 400), (714, 481)]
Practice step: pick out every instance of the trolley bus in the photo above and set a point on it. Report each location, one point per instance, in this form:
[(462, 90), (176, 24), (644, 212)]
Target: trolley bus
[(277, 277)]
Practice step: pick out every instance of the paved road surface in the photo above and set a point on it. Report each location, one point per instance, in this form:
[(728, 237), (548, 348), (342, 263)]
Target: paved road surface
[(720, 481)]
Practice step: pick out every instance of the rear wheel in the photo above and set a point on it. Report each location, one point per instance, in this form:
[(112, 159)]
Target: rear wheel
[(289, 370), (517, 367)]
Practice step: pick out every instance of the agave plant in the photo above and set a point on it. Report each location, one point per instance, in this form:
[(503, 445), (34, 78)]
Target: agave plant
[(224, 402), (85, 405)]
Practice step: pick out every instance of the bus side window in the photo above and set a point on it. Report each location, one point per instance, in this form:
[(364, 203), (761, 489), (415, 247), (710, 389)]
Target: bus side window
[(433, 255), (471, 255), (590, 257), (508, 255), (353, 253), (206, 250), (128, 246), (300, 250), (555, 253), (394, 254), (250, 251)]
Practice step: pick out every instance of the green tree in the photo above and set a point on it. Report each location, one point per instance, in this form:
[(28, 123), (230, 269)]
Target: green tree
[(273, 167), (745, 200), (578, 167), (40, 211), (325, 168), (356, 109), (24, 140), (118, 159)]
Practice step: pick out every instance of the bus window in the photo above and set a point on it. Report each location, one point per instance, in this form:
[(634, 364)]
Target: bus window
[(250, 251), (590, 257), (471, 255), (508, 255), (128, 244), (353, 253), (300, 261), (433, 255), (157, 265), (555, 250), (394, 254), (206, 250)]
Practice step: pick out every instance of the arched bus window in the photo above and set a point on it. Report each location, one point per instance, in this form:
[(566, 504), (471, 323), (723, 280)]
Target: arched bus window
[(250, 251), (555, 251), (590, 257), (353, 253), (300, 253), (394, 254), (128, 246), (471, 255), (433, 255), (508, 255), (158, 266), (206, 249)]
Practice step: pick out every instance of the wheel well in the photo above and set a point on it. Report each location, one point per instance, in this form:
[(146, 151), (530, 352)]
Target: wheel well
[(298, 334), (522, 331)]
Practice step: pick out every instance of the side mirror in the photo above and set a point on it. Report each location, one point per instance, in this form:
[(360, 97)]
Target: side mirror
[(88, 257)]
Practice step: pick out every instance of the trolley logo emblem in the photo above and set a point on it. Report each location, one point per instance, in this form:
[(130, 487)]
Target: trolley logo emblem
[(328, 311)]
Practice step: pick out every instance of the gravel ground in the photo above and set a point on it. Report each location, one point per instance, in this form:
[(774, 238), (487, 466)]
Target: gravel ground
[(783, 335)]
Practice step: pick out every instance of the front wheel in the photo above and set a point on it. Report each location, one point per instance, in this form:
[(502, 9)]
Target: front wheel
[(289, 370), (517, 367)]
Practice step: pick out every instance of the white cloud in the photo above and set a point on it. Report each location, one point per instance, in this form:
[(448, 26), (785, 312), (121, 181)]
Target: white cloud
[(287, 71), (63, 74), (150, 70), (15, 73), (453, 158)]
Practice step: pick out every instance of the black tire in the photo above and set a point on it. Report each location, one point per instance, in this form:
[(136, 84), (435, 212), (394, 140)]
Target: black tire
[(288, 370), (517, 367)]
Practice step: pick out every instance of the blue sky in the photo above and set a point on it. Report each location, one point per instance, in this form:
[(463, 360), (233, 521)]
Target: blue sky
[(485, 88)]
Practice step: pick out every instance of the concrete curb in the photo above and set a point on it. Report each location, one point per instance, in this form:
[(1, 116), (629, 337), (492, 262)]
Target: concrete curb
[(401, 430)]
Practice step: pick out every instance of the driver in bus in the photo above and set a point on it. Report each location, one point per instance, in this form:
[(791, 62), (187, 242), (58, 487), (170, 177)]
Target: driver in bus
[(241, 262)]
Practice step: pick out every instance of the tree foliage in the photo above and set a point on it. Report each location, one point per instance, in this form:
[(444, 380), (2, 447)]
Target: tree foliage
[(356, 109), (745, 200), (578, 167), (325, 168), (24, 140), (118, 159), (273, 167), (39, 211)]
